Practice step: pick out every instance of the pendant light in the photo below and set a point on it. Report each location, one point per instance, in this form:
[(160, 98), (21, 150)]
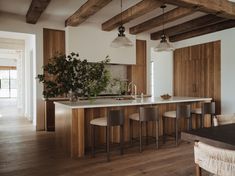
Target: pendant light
[(164, 44), (121, 40)]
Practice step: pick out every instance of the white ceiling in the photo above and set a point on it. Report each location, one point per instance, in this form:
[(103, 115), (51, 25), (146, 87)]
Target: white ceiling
[(60, 10)]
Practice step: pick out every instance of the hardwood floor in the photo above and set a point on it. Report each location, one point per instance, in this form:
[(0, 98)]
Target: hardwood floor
[(25, 152)]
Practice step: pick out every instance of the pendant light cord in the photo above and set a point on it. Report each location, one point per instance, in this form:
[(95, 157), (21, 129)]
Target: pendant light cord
[(121, 12), (163, 18)]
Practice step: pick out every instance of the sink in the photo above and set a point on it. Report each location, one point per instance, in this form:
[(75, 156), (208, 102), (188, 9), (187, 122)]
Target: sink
[(125, 98)]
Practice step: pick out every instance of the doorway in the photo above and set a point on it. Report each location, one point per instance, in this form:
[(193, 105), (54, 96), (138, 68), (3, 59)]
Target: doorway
[(17, 55)]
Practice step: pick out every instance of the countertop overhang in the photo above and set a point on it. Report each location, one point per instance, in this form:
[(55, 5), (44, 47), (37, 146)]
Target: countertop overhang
[(115, 103)]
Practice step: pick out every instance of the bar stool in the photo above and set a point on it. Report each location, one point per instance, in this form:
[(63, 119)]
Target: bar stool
[(114, 118), (146, 114), (182, 111), (207, 108)]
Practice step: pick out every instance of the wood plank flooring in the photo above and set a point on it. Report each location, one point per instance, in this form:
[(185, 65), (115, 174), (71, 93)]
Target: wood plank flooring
[(24, 152)]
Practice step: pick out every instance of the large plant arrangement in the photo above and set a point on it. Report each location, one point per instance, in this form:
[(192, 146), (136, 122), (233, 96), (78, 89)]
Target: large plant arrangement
[(69, 74)]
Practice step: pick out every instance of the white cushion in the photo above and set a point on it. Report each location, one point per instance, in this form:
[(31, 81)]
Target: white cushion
[(170, 114), (99, 121), (215, 160), (224, 119), (134, 116), (196, 111)]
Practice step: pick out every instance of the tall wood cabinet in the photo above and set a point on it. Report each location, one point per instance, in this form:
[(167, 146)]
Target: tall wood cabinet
[(53, 42), (197, 72), (137, 73)]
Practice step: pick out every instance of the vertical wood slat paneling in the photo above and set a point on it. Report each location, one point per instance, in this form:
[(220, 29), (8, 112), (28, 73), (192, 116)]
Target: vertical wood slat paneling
[(197, 72), (137, 73), (53, 42)]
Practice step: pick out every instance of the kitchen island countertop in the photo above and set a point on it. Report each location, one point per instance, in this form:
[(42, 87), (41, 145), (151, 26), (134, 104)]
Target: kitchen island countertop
[(112, 102)]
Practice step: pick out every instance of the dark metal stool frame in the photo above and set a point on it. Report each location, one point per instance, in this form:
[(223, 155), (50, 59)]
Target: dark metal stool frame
[(114, 118), (146, 114), (182, 111), (208, 108)]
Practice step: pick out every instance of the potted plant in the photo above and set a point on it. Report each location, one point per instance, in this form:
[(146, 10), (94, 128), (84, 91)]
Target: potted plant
[(69, 75)]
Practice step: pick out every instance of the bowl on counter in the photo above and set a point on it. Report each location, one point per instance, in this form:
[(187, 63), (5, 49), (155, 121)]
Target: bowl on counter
[(165, 96)]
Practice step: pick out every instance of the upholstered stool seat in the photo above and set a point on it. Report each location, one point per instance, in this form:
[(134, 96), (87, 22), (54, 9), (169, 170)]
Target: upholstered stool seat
[(170, 114), (224, 119), (196, 111), (146, 114), (207, 108), (102, 121), (182, 111), (114, 118), (134, 116)]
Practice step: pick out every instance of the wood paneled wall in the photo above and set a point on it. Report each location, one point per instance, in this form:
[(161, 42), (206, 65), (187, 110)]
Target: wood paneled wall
[(137, 73), (197, 72), (53, 43)]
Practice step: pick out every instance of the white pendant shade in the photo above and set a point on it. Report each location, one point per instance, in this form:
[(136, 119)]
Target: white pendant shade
[(121, 41), (164, 45)]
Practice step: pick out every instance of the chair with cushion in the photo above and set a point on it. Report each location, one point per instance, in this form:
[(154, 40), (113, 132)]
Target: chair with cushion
[(224, 119), (114, 118), (145, 115), (214, 160), (208, 108), (182, 111)]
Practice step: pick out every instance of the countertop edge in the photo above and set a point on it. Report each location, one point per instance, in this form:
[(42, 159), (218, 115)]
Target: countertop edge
[(139, 101)]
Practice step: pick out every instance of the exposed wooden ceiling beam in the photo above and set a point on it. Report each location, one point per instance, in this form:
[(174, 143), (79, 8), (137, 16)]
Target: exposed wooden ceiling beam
[(131, 13), (85, 11), (35, 10), (189, 26), (222, 8), (202, 31), (170, 16)]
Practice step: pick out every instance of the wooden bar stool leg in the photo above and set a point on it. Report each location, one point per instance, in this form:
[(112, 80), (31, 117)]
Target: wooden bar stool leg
[(108, 149), (121, 139), (164, 130), (198, 170), (131, 132), (147, 142), (157, 141), (93, 140), (176, 132), (201, 121), (140, 127)]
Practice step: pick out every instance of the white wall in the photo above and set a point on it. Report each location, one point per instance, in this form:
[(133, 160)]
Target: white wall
[(227, 38), (7, 62), (162, 72), (15, 23), (93, 44)]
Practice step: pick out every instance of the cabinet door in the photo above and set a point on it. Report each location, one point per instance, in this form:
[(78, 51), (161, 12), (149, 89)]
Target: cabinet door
[(197, 72), (137, 73), (53, 42)]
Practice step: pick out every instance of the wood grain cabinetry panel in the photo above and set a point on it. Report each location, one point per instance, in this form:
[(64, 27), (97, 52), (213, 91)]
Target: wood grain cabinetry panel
[(53, 42), (197, 72), (137, 73)]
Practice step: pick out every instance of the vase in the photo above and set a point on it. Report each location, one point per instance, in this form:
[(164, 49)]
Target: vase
[(72, 96)]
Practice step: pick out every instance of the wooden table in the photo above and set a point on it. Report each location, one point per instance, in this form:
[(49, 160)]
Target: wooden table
[(221, 136)]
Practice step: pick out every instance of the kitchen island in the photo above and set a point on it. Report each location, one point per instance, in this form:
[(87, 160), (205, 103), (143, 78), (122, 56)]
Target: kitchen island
[(72, 119)]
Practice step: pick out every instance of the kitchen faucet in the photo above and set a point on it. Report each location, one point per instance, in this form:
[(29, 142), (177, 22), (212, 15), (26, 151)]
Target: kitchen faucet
[(130, 89)]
